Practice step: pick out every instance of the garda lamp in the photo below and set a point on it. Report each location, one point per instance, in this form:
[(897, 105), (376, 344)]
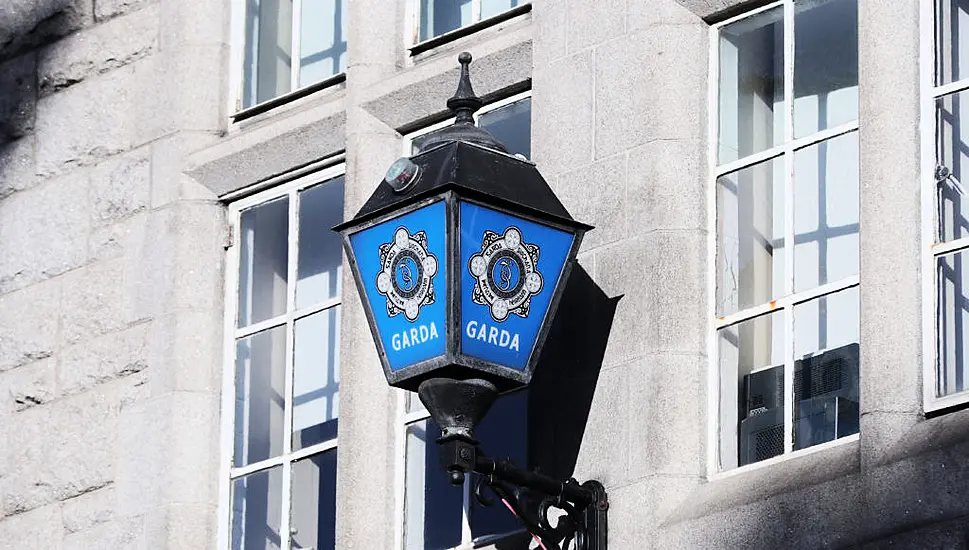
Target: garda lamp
[(460, 257)]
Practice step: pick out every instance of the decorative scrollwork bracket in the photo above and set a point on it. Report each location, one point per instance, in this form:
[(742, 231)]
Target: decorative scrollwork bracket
[(534, 497)]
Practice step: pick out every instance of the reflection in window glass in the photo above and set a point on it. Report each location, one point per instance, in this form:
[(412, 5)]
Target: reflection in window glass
[(826, 335), (952, 150), (314, 502), (433, 507), (316, 378), (825, 64), (260, 396), (490, 8), (952, 310), (323, 40), (263, 270), (826, 212), (751, 85), (257, 510), (951, 24), (751, 390), (750, 219), (512, 126), (269, 40), (441, 16), (320, 266)]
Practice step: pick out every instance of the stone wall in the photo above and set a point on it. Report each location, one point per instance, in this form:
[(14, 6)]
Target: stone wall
[(110, 324)]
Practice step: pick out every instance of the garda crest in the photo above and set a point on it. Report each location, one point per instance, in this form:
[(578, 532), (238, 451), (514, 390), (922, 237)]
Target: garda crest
[(406, 272), (506, 273)]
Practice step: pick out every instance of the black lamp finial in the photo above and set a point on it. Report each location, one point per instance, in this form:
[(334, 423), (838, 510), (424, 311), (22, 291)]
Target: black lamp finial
[(464, 103)]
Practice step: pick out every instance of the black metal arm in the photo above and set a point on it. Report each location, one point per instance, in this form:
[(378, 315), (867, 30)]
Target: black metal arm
[(585, 505)]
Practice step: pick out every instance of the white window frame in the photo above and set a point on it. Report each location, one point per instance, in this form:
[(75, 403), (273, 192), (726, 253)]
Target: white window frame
[(404, 418), (932, 250), (786, 303), (238, 53), (232, 333), (412, 13)]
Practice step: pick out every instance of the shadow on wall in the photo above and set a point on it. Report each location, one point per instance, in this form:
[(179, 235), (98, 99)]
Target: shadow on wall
[(565, 379)]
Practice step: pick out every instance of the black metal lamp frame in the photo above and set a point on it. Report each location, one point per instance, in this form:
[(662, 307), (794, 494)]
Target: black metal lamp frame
[(585, 505)]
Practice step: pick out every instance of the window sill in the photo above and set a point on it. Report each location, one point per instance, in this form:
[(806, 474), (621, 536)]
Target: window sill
[(451, 36), (937, 406), (275, 102)]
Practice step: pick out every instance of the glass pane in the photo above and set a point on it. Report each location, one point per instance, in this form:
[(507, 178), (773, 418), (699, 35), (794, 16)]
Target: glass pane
[(951, 18), (512, 126), (433, 507), (413, 403), (491, 8), (750, 231), (257, 510), (264, 250), (441, 16), (825, 64), (952, 149), (320, 266), (322, 40), (313, 514), (260, 396), (316, 378), (826, 212), (826, 335), (269, 42), (751, 390), (503, 433), (751, 85), (952, 308)]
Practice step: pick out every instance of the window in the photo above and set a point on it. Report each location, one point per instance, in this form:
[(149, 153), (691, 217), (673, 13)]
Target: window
[(436, 514), (437, 17), (291, 44), (946, 234), (281, 391), (786, 171)]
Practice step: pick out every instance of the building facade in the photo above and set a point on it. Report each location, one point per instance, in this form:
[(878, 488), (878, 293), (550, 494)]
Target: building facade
[(185, 362)]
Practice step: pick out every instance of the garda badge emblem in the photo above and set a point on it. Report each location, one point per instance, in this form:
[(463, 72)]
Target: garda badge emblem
[(506, 274), (406, 270)]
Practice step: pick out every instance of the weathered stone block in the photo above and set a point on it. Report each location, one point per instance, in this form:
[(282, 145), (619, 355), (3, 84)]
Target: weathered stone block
[(620, 273), (593, 21), (193, 452), (640, 15), (98, 50), (120, 187), (29, 385), (191, 355), (124, 238), (675, 284), (25, 24), (40, 528), (666, 187), (90, 509), (633, 87), (28, 326), (18, 101), (122, 534), (44, 232), (100, 300), (105, 9), (604, 454), (102, 359), (596, 194), (551, 33), (169, 156), (182, 526), (562, 115), (17, 167)]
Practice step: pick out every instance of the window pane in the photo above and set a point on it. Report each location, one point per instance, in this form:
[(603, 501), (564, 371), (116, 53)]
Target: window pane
[(257, 510), (826, 212), (952, 308), (951, 22), (826, 335), (313, 513), (751, 390), (503, 434), (952, 150), (491, 8), (433, 507), (320, 267), (825, 64), (322, 40), (413, 402), (441, 16), (750, 220), (269, 41), (262, 264), (512, 126), (316, 378), (751, 85), (260, 396)]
